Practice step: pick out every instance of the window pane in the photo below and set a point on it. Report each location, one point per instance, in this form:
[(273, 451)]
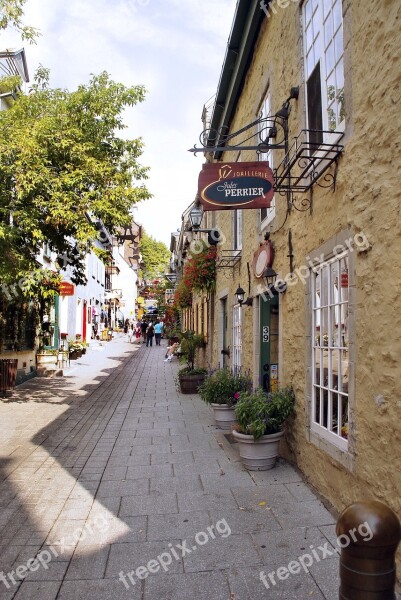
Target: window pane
[(308, 11), (310, 63), (340, 91), (326, 7), (309, 36), (315, 119), (318, 45), (338, 44), (330, 60), (337, 14), (328, 29)]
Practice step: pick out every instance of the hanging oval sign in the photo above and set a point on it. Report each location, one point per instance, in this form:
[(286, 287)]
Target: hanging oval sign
[(236, 185), (263, 258)]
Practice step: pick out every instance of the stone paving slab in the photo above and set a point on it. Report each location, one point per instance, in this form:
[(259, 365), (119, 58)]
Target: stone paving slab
[(202, 586), (112, 467)]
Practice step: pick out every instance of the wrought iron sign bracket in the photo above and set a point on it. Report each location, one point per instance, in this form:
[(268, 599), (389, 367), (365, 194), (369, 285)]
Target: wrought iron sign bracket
[(228, 259), (305, 163)]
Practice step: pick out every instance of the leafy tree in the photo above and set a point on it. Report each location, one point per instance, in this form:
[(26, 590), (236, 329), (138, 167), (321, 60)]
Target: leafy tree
[(11, 13), (62, 168), (155, 255)]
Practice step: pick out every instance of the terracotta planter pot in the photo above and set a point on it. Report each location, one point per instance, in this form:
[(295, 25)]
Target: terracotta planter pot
[(259, 455), (189, 384), (224, 415)]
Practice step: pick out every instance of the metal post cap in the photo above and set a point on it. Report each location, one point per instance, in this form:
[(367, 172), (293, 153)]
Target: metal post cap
[(368, 533), (383, 523)]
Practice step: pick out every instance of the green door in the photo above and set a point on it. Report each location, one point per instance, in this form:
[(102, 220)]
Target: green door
[(269, 313)]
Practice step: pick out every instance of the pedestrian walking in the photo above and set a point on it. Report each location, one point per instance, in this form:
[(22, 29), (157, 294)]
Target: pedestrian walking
[(150, 332), (138, 332), (144, 327), (158, 332), (130, 333)]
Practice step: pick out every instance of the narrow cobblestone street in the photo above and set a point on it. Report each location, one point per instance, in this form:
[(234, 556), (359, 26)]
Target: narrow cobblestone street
[(110, 468)]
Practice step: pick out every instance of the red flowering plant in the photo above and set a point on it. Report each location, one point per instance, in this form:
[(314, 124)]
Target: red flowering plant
[(183, 295), (171, 323), (200, 270)]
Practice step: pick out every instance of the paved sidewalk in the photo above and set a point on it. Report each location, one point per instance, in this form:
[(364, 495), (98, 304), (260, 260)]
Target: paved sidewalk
[(109, 469)]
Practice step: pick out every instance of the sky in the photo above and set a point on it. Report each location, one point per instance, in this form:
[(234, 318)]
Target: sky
[(174, 48)]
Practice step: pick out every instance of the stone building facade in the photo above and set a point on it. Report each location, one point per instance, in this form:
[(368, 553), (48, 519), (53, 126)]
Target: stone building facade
[(333, 334)]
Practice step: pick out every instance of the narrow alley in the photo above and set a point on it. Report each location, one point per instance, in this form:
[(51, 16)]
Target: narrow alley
[(121, 487)]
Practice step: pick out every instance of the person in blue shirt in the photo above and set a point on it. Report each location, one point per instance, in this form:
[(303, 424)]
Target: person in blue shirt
[(158, 332)]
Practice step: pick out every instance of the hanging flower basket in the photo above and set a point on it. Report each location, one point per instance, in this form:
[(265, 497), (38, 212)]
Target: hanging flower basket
[(200, 270)]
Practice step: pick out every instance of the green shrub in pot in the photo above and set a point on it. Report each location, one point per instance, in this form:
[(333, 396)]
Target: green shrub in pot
[(224, 387), (260, 414)]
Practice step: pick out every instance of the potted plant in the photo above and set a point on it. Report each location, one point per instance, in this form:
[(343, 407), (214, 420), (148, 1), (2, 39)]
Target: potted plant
[(46, 357), (222, 390), (260, 419), (75, 350), (190, 378)]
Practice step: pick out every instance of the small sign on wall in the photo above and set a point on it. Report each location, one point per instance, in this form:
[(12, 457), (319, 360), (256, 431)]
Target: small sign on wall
[(266, 333), (273, 378)]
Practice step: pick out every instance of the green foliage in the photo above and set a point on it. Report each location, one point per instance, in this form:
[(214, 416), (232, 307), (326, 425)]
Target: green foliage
[(11, 13), (189, 371), (9, 83), (61, 159), (224, 387), (189, 343), (259, 413), (155, 255)]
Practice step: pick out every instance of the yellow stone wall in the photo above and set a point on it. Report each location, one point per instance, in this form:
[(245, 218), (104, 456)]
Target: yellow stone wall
[(367, 200)]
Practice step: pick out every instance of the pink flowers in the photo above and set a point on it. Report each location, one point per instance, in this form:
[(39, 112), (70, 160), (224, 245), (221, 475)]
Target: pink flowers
[(236, 396)]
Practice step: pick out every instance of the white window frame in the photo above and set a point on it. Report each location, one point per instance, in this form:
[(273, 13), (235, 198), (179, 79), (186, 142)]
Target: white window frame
[(330, 307), (237, 339), (237, 229), (322, 23)]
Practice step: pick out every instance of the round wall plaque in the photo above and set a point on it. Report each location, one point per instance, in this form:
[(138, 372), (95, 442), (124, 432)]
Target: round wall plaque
[(263, 258)]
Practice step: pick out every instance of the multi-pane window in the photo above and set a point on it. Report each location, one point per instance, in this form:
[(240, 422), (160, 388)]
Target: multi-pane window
[(237, 339), (266, 214), (330, 355), (324, 66)]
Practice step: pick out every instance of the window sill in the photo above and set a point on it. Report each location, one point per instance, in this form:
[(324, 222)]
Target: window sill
[(339, 452)]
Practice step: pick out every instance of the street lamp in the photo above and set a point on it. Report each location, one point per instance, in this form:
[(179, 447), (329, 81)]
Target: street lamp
[(196, 216), (240, 293), (270, 277)]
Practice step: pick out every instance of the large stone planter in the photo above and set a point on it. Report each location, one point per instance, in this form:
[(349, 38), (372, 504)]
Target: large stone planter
[(259, 455), (189, 384), (224, 415), (43, 359)]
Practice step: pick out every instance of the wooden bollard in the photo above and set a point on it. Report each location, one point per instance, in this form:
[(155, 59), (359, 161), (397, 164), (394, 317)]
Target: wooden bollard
[(368, 534)]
